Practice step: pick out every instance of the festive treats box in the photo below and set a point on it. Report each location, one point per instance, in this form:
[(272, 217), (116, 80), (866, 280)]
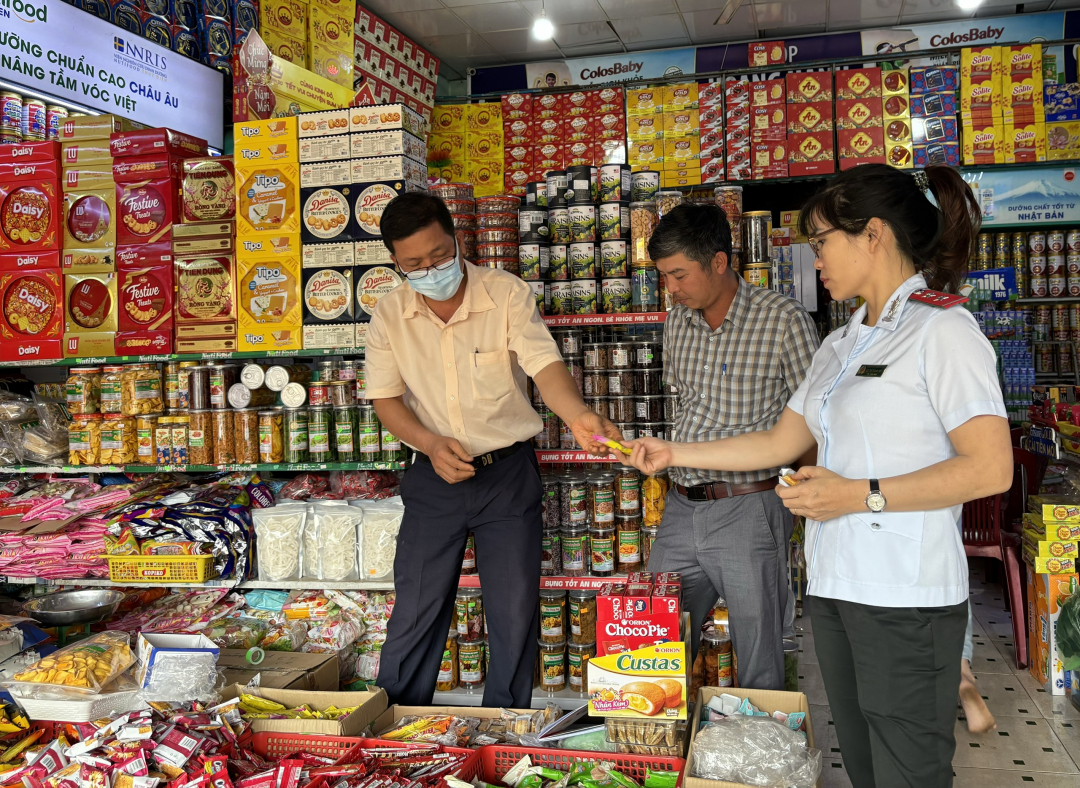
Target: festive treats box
[(145, 323), (31, 315), (146, 141), (858, 113), (90, 315), (146, 210), (95, 127)]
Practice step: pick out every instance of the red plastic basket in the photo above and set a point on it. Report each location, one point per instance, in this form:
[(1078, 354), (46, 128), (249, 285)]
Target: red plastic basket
[(271, 744), (497, 759)]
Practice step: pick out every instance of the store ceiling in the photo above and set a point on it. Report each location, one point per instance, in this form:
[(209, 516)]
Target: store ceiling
[(475, 33)]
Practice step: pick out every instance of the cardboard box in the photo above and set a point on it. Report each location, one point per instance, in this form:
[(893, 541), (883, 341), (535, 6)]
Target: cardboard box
[(859, 113), (95, 127), (928, 130), (256, 134), (268, 198), (282, 670), (517, 105), (87, 154), (448, 118), (1046, 593), (483, 117), (205, 295), (392, 117), (983, 143), (980, 98), (681, 121), (979, 62), (1025, 142), (269, 294), (858, 83), (900, 154), (645, 127), (1062, 140), (767, 93), (809, 87), (31, 320), (372, 704), (895, 82), (1022, 98), (154, 650), (615, 679), (41, 201), (766, 53), (771, 118), (90, 230), (931, 79), (895, 107), (644, 101), (860, 146), (808, 118), (811, 153)]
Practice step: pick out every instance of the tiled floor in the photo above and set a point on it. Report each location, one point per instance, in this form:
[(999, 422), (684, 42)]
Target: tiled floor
[(1037, 741)]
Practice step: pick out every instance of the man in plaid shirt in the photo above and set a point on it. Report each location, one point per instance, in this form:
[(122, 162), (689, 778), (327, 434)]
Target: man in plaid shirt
[(735, 353)]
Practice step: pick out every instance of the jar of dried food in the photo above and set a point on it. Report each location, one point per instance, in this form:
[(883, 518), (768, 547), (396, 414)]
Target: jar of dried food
[(648, 537), (622, 409), (119, 444), (643, 221), (649, 381), (84, 439), (582, 616), (145, 433), (602, 545), (620, 383), (224, 438), (602, 499), (553, 666), (448, 667), (575, 542), (271, 436), (596, 356), (180, 450), (470, 662), (628, 491), (574, 501), (320, 425), (550, 553), (296, 435), (595, 384), (143, 389), (172, 386), (84, 390), (183, 384), (112, 391), (200, 437), (393, 450), (577, 662), (367, 432), (552, 615), (343, 393), (468, 559), (222, 378), (469, 606), (717, 657), (346, 448), (163, 440), (628, 537), (654, 490), (246, 436)]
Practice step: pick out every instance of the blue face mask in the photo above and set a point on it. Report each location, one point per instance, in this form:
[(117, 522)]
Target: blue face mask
[(440, 285)]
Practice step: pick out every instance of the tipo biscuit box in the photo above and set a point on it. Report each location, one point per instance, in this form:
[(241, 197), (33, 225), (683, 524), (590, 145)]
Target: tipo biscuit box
[(259, 133), (145, 317), (31, 315), (270, 310), (648, 683), (328, 308), (205, 297), (268, 199), (90, 315), (90, 230), (372, 283)]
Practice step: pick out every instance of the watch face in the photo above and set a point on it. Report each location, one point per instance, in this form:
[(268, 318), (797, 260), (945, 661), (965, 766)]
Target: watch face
[(875, 501)]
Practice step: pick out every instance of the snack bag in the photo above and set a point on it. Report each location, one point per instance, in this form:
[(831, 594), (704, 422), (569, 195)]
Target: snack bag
[(84, 666)]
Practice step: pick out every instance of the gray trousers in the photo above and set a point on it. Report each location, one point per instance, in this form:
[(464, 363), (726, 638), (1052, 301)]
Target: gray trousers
[(735, 548)]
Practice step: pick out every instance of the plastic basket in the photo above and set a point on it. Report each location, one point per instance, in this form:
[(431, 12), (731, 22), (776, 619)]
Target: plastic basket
[(497, 759), (270, 744), (95, 707), (160, 568)]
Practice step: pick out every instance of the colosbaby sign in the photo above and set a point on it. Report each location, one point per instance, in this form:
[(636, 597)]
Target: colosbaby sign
[(53, 48)]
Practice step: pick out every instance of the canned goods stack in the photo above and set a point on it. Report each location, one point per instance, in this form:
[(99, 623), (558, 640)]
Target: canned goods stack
[(1053, 262), (497, 232), (534, 244), (27, 119), (645, 214), (730, 199), (459, 200), (757, 248)]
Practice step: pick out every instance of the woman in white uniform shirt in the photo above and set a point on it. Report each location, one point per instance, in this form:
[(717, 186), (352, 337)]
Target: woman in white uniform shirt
[(906, 411)]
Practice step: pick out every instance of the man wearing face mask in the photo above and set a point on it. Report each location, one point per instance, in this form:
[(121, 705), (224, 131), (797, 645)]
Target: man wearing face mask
[(448, 352)]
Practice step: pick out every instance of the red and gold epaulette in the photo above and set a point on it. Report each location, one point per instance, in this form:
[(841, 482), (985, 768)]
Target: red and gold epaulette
[(937, 298)]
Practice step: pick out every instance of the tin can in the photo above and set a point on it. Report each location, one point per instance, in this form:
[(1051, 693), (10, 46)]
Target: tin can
[(1072, 264), (613, 262), (1002, 245), (615, 183), (1056, 286), (533, 260), (582, 219), (1074, 316), (984, 246), (1055, 242), (319, 393), (10, 137), (1038, 286), (1037, 265), (541, 296), (54, 118), (645, 282), (756, 277), (1022, 280), (645, 185), (1055, 265), (614, 221), (617, 296), (556, 188), (584, 260), (34, 120), (536, 194), (1073, 284), (558, 262), (533, 225), (559, 225), (1043, 314), (584, 297), (562, 298), (1044, 357), (1059, 316), (1036, 242), (1064, 360), (11, 112), (581, 184), (1019, 242), (757, 227), (1072, 242)]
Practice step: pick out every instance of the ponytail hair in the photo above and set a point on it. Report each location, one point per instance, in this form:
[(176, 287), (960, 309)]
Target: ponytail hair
[(939, 239)]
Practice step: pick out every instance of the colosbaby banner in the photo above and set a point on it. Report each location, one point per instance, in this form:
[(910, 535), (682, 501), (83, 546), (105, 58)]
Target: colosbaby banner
[(56, 49)]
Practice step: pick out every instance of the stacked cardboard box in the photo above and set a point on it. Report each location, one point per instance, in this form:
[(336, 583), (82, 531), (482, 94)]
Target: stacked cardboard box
[(31, 288), (1062, 111), (711, 127), (934, 129), (737, 128), (860, 136), (768, 129), (1022, 108), (467, 144), (981, 105), (810, 123), (896, 118), (518, 143), (682, 136), (394, 68)]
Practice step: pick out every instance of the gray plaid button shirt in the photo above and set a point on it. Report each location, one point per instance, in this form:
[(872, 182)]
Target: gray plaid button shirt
[(739, 377)]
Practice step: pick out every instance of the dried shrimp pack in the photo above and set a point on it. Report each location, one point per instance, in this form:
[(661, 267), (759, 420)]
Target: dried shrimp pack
[(278, 532)]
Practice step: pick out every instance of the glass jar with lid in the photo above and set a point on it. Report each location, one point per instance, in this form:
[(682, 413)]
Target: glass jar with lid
[(224, 439), (551, 553), (628, 538), (84, 390), (346, 448), (183, 384), (648, 537), (163, 440), (84, 439), (575, 540), (393, 450), (222, 378), (602, 545), (553, 666), (246, 435), (320, 425), (180, 451), (582, 616), (271, 436), (552, 615), (602, 499), (469, 607), (143, 384), (448, 667), (717, 658), (470, 662), (146, 433), (112, 391), (119, 443), (172, 386), (200, 437), (577, 662), (296, 435)]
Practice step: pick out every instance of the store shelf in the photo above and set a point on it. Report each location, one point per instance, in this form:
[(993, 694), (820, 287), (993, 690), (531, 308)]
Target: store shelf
[(98, 582), (1048, 301), (261, 467), (555, 582), (634, 318), (543, 455), (216, 356), (567, 700)]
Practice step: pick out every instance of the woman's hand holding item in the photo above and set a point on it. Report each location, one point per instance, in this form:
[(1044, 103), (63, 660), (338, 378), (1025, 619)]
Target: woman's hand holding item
[(823, 495)]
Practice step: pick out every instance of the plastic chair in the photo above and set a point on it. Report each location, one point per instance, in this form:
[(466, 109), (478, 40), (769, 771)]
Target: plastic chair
[(1028, 472), (984, 538)]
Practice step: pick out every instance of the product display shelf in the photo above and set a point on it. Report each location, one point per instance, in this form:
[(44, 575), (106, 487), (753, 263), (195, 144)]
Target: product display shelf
[(555, 582), (548, 456), (1048, 301), (567, 699), (629, 318), (104, 582), (224, 355), (303, 466)]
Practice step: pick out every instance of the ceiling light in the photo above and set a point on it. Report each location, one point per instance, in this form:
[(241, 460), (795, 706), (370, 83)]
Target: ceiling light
[(728, 12), (542, 28), (968, 5)]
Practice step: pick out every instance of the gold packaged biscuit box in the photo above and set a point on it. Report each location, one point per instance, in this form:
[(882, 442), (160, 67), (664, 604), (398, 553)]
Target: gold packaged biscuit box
[(90, 315), (267, 199), (205, 296), (269, 295), (90, 230)]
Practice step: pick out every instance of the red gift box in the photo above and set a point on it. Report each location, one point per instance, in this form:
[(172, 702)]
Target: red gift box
[(49, 261), (767, 92), (811, 153), (517, 105), (610, 126), (515, 182), (30, 170), (773, 116), (546, 105), (146, 211), (579, 128), (144, 255), (580, 102), (808, 87), (549, 130), (144, 168), (816, 116), (30, 151), (31, 311), (549, 157), (145, 298), (859, 113), (579, 153), (860, 146), (519, 131), (853, 83), (30, 215), (146, 141), (629, 617), (519, 157), (607, 100)]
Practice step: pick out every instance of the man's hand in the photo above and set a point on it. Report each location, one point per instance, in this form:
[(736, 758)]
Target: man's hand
[(823, 495), (650, 455), (588, 424), (449, 459)]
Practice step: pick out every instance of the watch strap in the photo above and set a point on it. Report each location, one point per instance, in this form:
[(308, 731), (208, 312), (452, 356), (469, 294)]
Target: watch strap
[(874, 488)]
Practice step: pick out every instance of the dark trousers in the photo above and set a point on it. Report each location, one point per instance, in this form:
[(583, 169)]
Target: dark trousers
[(501, 506), (892, 675)]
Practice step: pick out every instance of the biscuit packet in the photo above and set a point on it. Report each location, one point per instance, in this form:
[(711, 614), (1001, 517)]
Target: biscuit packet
[(85, 667), (90, 230)]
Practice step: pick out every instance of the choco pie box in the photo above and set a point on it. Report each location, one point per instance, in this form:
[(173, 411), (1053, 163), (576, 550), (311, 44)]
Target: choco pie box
[(629, 616)]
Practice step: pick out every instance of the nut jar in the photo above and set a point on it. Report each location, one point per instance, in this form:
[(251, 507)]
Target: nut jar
[(145, 431), (552, 616), (180, 450), (143, 389), (163, 440), (222, 378), (346, 446), (577, 661), (602, 500), (84, 390), (551, 554), (183, 383), (628, 540), (271, 436), (224, 440), (119, 443), (575, 541), (200, 437), (582, 616), (469, 607), (470, 662), (654, 490), (84, 439), (111, 390), (553, 666), (246, 435), (648, 537), (448, 667), (716, 652), (602, 545)]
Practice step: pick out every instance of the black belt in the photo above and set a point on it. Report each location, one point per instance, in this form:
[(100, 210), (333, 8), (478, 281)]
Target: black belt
[(720, 490), (484, 460)]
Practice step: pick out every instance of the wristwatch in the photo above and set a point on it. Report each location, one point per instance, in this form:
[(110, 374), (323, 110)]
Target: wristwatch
[(875, 501)]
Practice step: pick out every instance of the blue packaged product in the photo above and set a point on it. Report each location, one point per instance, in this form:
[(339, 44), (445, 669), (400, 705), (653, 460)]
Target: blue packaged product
[(214, 8), (99, 8), (937, 153), (185, 12), (156, 7), (216, 37), (245, 14), (927, 130), (928, 79), (158, 30), (186, 42), (128, 17), (222, 64), (1061, 102), (941, 104)]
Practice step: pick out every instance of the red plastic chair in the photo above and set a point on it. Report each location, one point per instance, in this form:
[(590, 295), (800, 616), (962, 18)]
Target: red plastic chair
[(984, 538), (1028, 472)]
